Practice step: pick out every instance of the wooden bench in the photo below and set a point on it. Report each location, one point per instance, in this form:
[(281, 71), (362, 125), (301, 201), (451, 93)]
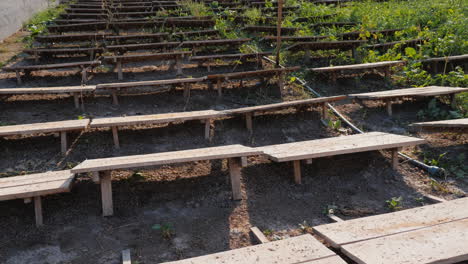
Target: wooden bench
[(114, 87), (120, 59), (345, 70), (428, 234), (37, 52), (250, 112), (219, 78), (454, 124), (103, 167), (71, 37), (34, 186), (402, 44), (76, 91), (293, 38), (300, 249), (84, 67), (114, 123), (230, 43), (61, 127), (392, 95), (143, 46), (239, 56), (433, 63), (308, 150), (270, 29), (148, 36)]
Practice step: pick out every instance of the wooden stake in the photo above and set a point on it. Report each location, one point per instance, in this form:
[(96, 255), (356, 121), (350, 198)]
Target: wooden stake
[(207, 129), (106, 193), (76, 98), (115, 135), (119, 70), (259, 236), (297, 171), (178, 65), (389, 107), (235, 173), (244, 162), (278, 32), (395, 158), (63, 141), (220, 88), (248, 122), (186, 90), (115, 100), (38, 211), (18, 78), (453, 101), (324, 111)]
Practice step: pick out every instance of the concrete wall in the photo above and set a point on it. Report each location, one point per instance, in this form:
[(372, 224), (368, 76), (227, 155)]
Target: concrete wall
[(13, 13)]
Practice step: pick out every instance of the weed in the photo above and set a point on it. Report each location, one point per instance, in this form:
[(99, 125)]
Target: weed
[(394, 204), (167, 230), (305, 227), (267, 232), (334, 124), (330, 209)]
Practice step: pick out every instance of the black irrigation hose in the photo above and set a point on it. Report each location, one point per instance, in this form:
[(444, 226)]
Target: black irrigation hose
[(432, 170)]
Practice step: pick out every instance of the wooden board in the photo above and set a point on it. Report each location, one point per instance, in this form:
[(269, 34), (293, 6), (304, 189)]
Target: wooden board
[(300, 249), (454, 123), (276, 106), (40, 184), (444, 243), (47, 90), (366, 228), (235, 75), (409, 92), (154, 119), (52, 66), (48, 127), (214, 42), (148, 83), (448, 59), (359, 66), (136, 161), (152, 56), (337, 146), (324, 45), (229, 56)]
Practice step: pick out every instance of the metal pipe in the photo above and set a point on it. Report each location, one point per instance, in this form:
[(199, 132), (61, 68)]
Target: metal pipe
[(432, 170)]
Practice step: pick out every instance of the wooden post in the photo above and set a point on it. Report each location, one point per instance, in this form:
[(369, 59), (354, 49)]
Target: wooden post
[(389, 107), (324, 111), (119, 69), (38, 211), (84, 76), (308, 161), (95, 177), (18, 77), (248, 122), (281, 82), (453, 101), (278, 32), (297, 171), (186, 90), (207, 129), (244, 162), (106, 193), (63, 141), (115, 100), (220, 88), (387, 72), (395, 158), (126, 258), (334, 77), (235, 173), (354, 54), (115, 135), (178, 65), (76, 98), (259, 236)]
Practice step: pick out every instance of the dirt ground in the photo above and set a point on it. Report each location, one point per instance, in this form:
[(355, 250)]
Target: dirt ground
[(192, 201)]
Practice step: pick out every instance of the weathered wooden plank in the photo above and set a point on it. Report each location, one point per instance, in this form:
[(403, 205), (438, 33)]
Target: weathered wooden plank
[(259, 236), (47, 90), (439, 244), (15, 181), (337, 146), (325, 45), (409, 92), (454, 123), (363, 66), (300, 249), (44, 127), (52, 66), (149, 83), (367, 228), (222, 152)]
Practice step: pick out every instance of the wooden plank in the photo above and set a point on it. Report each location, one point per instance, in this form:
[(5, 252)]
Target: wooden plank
[(52, 66), (38, 211), (48, 90), (135, 161), (36, 189), (126, 257), (366, 228), (337, 146), (259, 236), (237, 75), (409, 92), (152, 56), (155, 119), (106, 193), (229, 56), (326, 45), (300, 249), (23, 180), (443, 243), (297, 171), (454, 123), (364, 66), (149, 83), (235, 168), (44, 127)]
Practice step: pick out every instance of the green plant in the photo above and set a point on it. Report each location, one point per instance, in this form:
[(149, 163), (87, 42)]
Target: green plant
[(39, 22), (334, 124), (253, 15), (305, 227), (330, 209), (267, 232), (433, 161), (394, 203), (167, 230), (434, 111)]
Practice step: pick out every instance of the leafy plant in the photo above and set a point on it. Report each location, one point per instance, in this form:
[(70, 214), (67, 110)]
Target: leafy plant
[(305, 227), (395, 203), (267, 232), (167, 230), (334, 124)]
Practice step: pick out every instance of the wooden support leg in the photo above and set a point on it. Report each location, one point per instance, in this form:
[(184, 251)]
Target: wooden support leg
[(235, 173), (119, 70), (95, 177), (18, 78), (387, 72), (76, 98), (208, 129), (281, 82), (259, 62), (84, 76), (244, 161), (248, 122), (178, 65), (297, 171), (395, 158), (63, 141), (389, 107), (38, 211), (308, 161), (453, 101), (106, 193), (219, 88), (324, 111), (354, 54), (186, 90), (333, 77), (307, 56), (115, 100), (115, 135)]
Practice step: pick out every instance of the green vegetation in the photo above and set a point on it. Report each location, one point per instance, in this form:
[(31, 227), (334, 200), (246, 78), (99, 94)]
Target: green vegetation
[(394, 204), (167, 230), (39, 22)]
